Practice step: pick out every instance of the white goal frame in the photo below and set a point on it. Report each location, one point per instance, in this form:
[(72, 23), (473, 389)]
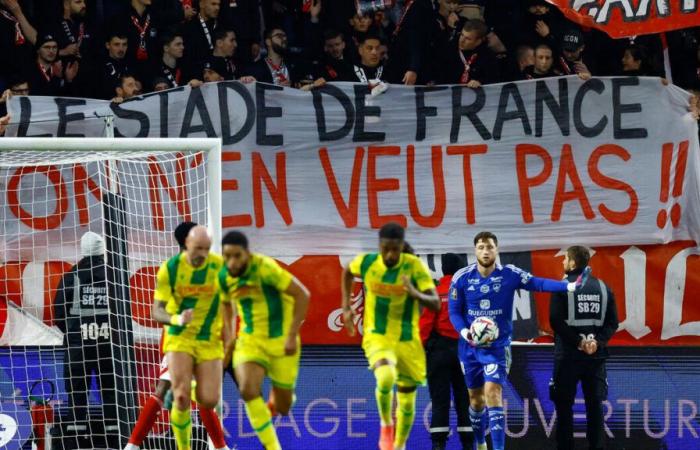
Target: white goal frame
[(110, 148), (211, 146)]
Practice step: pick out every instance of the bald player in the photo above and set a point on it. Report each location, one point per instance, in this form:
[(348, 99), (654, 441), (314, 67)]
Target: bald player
[(187, 300)]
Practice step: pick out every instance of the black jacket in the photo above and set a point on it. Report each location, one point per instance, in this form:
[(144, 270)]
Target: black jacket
[(484, 66), (199, 41), (589, 304), (260, 70), (411, 46), (332, 69), (81, 306)]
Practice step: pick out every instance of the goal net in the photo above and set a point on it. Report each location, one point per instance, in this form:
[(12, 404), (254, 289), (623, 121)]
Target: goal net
[(84, 225)]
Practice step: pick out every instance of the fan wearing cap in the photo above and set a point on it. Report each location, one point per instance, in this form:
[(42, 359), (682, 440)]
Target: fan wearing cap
[(214, 69), (81, 312), (47, 75), (571, 59)]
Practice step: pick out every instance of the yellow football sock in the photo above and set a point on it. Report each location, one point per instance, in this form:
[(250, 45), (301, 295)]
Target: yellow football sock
[(384, 392), (405, 413), (261, 421), (181, 423)]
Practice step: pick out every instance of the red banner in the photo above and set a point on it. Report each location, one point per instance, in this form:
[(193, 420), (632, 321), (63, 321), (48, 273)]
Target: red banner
[(624, 18), (654, 289)]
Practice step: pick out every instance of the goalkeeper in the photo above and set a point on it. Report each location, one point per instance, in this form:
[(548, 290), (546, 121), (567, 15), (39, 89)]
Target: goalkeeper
[(486, 289), (187, 300)]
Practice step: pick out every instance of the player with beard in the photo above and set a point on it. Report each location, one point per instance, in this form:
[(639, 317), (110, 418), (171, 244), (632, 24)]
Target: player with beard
[(486, 289), (278, 67), (272, 305)]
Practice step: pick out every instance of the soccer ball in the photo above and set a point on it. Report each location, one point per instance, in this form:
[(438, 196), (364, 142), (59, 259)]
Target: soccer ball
[(483, 331)]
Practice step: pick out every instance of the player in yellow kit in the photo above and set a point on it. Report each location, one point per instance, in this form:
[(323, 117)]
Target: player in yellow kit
[(188, 300), (396, 285), (272, 305)]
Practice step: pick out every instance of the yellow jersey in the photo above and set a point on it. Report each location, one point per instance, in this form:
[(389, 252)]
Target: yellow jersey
[(264, 309), (388, 310), (182, 287)]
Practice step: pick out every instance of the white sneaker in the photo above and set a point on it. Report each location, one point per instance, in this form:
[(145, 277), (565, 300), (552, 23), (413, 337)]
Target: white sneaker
[(132, 447), (481, 446), (223, 448)]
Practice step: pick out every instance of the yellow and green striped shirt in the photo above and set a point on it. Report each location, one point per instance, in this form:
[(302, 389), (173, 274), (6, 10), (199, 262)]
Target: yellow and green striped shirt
[(389, 311), (264, 309), (182, 287)]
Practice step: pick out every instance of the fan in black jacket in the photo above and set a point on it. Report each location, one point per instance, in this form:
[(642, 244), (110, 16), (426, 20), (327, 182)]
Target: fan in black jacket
[(470, 61), (278, 67), (583, 323)]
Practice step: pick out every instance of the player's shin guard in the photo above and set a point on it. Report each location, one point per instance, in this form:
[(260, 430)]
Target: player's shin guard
[(261, 421), (213, 426), (497, 422), (476, 418), (384, 393), (182, 427), (405, 413), (147, 418)]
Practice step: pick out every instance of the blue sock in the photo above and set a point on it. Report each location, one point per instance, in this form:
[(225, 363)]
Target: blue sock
[(479, 432), (497, 421)]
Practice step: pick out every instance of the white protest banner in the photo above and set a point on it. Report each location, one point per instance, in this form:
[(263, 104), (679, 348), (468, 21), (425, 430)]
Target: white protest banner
[(543, 164)]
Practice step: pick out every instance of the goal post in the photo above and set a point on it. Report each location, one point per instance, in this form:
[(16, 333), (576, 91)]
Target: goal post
[(132, 192)]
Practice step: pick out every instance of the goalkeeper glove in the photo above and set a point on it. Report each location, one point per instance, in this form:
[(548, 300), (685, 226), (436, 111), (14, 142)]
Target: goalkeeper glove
[(468, 337)]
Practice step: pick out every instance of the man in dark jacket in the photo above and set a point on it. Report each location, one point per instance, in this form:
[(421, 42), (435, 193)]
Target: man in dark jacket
[(583, 323), (410, 50), (470, 61), (445, 378), (279, 67), (332, 65), (46, 76), (82, 314)]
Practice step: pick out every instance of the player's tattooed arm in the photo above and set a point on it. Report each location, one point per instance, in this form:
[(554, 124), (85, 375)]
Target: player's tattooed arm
[(427, 298)]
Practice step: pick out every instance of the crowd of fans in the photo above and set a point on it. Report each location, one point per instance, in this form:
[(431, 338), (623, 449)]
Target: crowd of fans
[(116, 49)]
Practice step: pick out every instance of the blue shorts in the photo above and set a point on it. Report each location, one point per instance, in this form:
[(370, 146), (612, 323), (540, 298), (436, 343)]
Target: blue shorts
[(482, 364)]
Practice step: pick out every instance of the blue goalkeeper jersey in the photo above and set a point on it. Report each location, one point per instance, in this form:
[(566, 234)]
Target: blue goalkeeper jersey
[(472, 296)]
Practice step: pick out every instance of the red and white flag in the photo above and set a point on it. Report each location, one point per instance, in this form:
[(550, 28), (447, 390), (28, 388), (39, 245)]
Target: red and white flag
[(625, 18)]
